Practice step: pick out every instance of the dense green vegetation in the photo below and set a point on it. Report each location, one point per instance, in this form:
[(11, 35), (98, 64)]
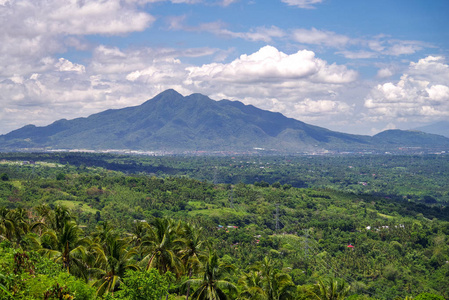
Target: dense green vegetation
[(78, 231), (417, 178)]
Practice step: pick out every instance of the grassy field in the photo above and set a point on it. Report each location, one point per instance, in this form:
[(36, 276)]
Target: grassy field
[(385, 216), (77, 205)]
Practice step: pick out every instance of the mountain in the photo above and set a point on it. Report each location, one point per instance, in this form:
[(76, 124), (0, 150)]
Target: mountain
[(410, 138), (176, 123), (441, 128)]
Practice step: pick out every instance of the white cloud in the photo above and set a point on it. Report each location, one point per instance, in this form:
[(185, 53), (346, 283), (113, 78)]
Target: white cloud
[(67, 66), (320, 37), (303, 3), (73, 17), (357, 48), (270, 65), (321, 107), (94, 17), (361, 54), (402, 47), (421, 92), (430, 68), (384, 72), (262, 33), (32, 30)]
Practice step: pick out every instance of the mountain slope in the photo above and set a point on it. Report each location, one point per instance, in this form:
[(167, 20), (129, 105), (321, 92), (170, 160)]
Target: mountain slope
[(173, 122), (441, 128)]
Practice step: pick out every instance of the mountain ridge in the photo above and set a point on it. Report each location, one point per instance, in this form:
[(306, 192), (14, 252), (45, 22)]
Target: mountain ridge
[(440, 128), (171, 121)]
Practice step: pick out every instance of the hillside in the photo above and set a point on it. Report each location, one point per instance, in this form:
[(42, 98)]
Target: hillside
[(441, 128), (380, 247), (172, 122)]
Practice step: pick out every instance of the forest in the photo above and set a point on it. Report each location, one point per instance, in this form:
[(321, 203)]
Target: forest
[(103, 226)]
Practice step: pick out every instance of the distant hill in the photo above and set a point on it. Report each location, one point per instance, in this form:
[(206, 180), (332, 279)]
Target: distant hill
[(412, 138), (173, 122), (441, 128)]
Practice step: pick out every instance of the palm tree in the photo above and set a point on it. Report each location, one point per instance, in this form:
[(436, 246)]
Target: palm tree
[(113, 259), (7, 225), (19, 217), (331, 289), (15, 225), (102, 229), (138, 230), (137, 235), (67, 247), (267, 282), (252, 286), (192, 253), (60, 216), (162, 245), (211, 286), (54, 218)]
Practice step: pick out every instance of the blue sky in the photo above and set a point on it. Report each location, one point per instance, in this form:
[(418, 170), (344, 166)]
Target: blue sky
[(352, 66)]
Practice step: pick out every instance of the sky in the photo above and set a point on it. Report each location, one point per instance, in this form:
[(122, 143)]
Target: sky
[(347, 65)]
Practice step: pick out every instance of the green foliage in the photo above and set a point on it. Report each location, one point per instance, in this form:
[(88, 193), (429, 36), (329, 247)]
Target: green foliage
[(143, 285), (60, 176), (331, 289), (213, 286), (114, 222), (4, 177), (420, 178), (428, 296), (27, 275)]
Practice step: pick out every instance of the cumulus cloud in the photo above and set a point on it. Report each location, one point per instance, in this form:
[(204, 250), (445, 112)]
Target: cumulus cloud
[(270, 65), (302, 3), (67, 66), (33, 30), (421, 92), (431, 68), (73, 17)]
